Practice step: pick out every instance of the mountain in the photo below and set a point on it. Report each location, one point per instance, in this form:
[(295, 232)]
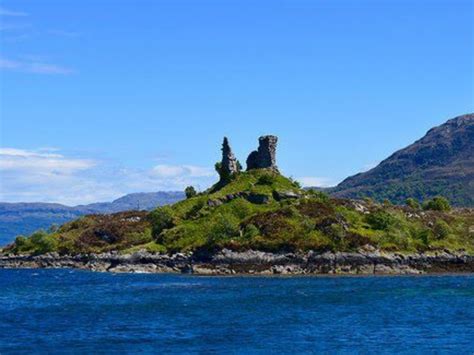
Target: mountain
[(440, 163), (25, 218)]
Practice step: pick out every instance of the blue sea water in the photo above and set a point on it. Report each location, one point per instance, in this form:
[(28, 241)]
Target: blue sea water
[(57, 311)]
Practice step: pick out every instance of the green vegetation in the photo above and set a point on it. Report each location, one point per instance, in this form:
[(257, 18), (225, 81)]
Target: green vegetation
[(39, 242), (263, 210), (412, 203), (190, 191), (437, 204)]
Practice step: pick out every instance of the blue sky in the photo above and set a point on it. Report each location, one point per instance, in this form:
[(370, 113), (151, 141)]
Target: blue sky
[(100, 98)]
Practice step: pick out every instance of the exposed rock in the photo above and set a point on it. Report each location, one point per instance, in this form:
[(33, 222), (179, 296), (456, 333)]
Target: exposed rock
[(227, 198), (227, 262), (229, 162), (258, 199), (284, 195), (214, 203), (265, 156)]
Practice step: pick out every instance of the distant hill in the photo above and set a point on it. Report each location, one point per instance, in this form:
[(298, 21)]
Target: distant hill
[(440, 163), (25, 218)]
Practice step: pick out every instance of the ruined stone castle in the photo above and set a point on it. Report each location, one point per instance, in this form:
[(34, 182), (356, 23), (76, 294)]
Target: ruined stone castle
[(262, 158)]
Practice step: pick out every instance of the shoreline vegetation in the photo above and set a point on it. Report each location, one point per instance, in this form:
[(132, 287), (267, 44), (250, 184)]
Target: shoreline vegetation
[(259, 221)]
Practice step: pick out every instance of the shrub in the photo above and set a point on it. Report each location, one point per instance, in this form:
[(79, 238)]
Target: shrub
[(190, 191), (42, 243), (441, 229), (250, 231), (239, 166), (438, 203), (320, 195), (161, 219), (195, 209), (318, 242), (295, 183), (424, 235), (412, 203), (337, 233), (380, 220), (222, 228), (22, 244), (266, 179), (223, 174), (20, 241)]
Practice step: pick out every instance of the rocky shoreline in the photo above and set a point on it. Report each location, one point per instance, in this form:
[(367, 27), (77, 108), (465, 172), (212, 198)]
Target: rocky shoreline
[(226, 262)]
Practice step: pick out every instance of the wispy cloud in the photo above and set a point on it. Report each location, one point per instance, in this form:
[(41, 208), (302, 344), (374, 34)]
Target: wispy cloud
[(32, 66), (181, 171), (47, 175), (40, 162), (314, 181), (6, 12)]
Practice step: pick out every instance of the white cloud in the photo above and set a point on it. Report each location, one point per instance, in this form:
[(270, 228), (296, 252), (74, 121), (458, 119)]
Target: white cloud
[(40, 162), (313, 181), (32, 66), (42, 152), (168, 171), (5, 12), (46, 175)]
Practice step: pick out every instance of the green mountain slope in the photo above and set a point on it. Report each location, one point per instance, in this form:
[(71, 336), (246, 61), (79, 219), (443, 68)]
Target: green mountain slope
[(440, 163)]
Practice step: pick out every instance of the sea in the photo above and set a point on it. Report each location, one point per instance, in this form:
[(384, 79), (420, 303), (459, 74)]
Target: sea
[(71, 311)]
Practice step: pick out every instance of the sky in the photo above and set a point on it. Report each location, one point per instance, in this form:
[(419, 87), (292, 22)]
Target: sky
[(99, 98)]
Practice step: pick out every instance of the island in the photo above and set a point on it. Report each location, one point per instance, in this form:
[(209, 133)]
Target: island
[(258, 221)]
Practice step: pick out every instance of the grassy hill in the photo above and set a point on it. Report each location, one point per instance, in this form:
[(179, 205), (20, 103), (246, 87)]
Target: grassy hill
[(262, 210)]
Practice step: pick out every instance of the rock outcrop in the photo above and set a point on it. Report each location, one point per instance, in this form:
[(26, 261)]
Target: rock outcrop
[(265, 156), (229, 162), (225, 262)]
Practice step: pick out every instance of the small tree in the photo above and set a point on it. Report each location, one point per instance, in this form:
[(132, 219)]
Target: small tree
[(223, 175), (266, 179), (438, 203), (250, 231), (380, 220), (321, 195), (412, 203), (161, 219), (223, 227), (441, 229), (42, 242), (239, 166), (190, 191)]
